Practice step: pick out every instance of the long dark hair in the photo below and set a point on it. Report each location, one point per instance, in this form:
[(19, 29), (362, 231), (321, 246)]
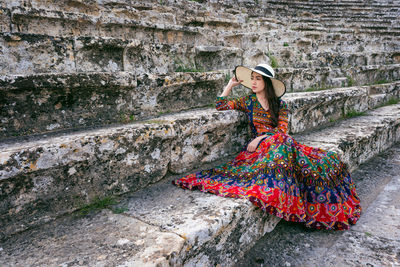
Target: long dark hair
[(273, 101)]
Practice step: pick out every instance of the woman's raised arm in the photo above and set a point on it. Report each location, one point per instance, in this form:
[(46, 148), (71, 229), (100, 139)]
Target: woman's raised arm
[(228, 88), (222, 103), (283, 119)]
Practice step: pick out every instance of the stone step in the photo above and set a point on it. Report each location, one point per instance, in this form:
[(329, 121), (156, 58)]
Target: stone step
[(166, 225), (29, 20), (296, 57), (85, 54), (25, 54), (302, 79), (321, 6), (291, 47), (127, 25), (335, 28), (45, 176), (45, 103), (80, 166), (52, 102), (323, 107), (356, 21), (311, 41), (126, 22)]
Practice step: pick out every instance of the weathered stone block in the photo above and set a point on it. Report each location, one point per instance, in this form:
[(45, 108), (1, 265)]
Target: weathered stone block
[(58, 174), (105, 239), (206, 137), (373, 73), (357, 139), (217, 57), (392, 88), (25, 54), (98, 54), (314, 109), (41, 103), (215, 229), (98, 20), (5, 20)]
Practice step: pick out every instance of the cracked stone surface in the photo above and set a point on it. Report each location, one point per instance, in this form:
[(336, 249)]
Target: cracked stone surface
[(104, 239), (42, 179), (163, 225)]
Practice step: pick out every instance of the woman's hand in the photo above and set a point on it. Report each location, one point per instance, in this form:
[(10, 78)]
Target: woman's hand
[(252, 146), (232, 83)]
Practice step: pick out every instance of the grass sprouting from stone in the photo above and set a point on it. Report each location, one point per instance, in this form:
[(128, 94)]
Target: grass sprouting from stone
[(190, 67), (353, 113), (315, 88), (98, 204), (381, 81), (119, 210), (350, 81), (273, 61), (227, 78), (211, 105), (124, 118), (164, 112), (391, 101)]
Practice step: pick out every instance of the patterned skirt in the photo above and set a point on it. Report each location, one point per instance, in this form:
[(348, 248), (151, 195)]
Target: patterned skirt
[(287, 179)]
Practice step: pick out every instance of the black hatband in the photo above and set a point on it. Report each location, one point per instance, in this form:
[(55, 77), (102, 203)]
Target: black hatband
[(264, 70)]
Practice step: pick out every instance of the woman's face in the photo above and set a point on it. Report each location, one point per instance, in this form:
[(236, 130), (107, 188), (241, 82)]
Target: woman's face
[(257, 83)]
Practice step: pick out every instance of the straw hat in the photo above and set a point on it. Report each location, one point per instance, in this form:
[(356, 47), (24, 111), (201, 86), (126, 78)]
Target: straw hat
[(244, 73)]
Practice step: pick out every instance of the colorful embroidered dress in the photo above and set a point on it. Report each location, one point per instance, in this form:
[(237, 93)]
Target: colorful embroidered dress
[(283, 177)]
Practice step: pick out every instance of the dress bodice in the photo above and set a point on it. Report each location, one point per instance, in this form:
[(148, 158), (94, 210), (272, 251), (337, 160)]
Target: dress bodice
[(259, 119)]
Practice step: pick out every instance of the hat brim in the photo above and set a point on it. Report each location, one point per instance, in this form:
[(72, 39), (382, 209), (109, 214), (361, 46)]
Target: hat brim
[(244, 73)]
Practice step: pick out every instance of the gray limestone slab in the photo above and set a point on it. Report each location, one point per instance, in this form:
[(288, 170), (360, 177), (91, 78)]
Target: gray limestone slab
[(60, 102), (382, 219), (103, 239), (358, 139), (207, 222), (64, 172), (361, 249)]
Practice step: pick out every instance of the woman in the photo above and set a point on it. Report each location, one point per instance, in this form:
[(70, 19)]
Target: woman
[(287, 179)]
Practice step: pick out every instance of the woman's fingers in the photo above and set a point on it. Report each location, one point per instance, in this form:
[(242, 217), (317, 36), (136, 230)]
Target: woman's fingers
[(251, 148), (235, 81)]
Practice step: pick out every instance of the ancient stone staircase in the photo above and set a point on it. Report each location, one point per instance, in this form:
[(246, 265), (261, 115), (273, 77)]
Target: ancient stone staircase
[(97, 101), (163, 224)]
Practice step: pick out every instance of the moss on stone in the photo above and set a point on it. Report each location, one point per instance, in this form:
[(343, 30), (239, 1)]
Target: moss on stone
[(273, 61), (381, 81), (353, 113), (98, 204), (391, 101), (350, 81)]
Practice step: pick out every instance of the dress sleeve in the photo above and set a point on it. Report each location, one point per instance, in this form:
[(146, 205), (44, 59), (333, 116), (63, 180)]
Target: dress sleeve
[(222, 103), (283, 118)]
